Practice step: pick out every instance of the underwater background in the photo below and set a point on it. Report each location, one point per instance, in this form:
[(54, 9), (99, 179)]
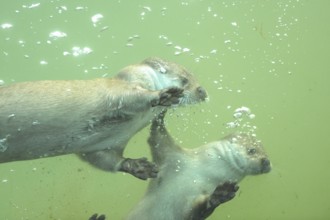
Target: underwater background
[(271, 57)]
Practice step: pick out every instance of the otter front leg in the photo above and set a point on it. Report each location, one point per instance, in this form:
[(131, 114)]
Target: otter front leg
[(223, 193), (168, 97), (110, 160)]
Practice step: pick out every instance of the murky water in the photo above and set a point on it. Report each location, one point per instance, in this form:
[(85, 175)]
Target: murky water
[(264, 63)]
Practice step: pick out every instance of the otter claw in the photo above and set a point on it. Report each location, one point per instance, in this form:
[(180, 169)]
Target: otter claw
[(140, 168), (97, 217)]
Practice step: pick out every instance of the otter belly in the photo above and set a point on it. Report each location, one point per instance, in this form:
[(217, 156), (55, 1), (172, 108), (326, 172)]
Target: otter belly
[(50, 118), (46, 139)]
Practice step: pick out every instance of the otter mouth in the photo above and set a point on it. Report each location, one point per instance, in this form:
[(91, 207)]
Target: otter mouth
[(266, 166), (201, 93), (193, 97)]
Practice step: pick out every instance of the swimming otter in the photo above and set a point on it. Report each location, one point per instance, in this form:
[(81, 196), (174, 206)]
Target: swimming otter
[(223, 193), (187, 178), (94, 119)]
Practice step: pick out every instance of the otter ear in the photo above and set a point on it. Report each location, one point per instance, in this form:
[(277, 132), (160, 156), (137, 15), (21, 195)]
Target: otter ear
[(157, 64)]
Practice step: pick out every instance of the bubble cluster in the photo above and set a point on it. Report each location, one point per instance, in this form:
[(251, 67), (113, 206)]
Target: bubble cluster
[(131, 39), (77, 51), (56, 35), (242, 117)]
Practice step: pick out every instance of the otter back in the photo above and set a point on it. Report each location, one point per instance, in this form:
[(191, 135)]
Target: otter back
[(92, 118)]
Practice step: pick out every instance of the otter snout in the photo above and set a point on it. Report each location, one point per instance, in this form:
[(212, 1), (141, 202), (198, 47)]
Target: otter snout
[(201, 93), (265, 165)]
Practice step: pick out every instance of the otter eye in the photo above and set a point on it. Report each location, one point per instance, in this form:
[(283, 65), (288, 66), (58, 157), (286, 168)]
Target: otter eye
[(251, 151), (184, 81)]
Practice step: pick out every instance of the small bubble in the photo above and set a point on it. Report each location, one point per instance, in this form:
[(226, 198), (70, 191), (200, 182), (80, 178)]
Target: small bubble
[(32, 5), (61, 9), (6, 26), (214, 51), (231, 124), (57, 34), (237, 114), (96, 19), (147, 8), (80, 8), (36, 122), (43, 62)]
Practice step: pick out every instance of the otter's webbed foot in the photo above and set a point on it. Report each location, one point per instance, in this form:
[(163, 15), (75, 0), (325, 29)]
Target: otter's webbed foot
[(140, 168), (97, 217), (168, 97), (223, 193)]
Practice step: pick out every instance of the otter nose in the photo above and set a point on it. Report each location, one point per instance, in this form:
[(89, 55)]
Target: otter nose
[(265, 164), (202, 94)]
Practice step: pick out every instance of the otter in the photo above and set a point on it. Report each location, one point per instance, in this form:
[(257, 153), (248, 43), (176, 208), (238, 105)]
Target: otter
[(223, 193), (188, 180), (94, 119)]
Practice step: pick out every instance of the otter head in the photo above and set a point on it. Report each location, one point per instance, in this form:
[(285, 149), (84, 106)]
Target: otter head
[(157, 74), (246, 154)]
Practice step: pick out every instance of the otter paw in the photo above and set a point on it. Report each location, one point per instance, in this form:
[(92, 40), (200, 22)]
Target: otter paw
[(97, 217), (140, 168), (168, 97), (223, 193)]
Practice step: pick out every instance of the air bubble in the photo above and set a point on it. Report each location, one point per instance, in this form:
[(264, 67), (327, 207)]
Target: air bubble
[(57, 34), (240, 115), (96, 19), (6, 26), (43, 62)]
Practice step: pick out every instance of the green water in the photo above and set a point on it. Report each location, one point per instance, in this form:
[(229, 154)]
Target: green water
[(270, 56)]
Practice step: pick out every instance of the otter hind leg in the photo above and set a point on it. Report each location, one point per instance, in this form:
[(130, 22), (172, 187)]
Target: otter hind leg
[(111, 160), (140, 168)]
